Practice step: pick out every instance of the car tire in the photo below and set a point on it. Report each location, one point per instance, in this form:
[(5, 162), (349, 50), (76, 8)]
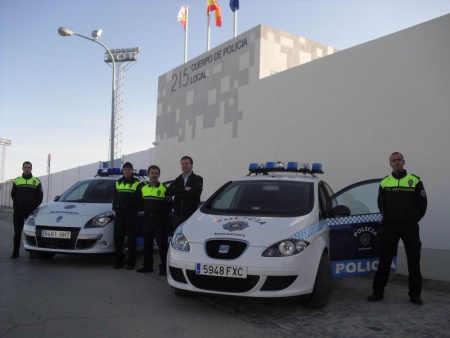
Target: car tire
[(322, 286), (181, 292)]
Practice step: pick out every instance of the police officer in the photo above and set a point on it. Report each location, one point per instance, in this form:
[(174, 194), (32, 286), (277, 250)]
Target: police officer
[(126, 206), (156, 214), (27, 195), (187, 189), (403, 203)]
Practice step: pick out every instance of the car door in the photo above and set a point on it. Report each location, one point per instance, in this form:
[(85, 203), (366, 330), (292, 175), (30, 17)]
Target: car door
[(356, 229)]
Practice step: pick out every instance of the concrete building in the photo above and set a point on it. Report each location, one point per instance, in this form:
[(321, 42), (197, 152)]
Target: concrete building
[(256, 98)]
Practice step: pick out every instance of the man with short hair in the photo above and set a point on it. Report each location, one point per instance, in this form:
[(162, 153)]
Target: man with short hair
[(27, 195), (126, 206), (186, 190), (403, 202), (156, 214)]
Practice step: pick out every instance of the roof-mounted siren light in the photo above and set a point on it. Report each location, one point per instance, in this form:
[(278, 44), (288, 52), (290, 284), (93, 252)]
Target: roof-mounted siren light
[(292, 167), (317, 168), (304, 168), (113, 171), (102, 171), (275, 166), (142, 172), (256, 168)]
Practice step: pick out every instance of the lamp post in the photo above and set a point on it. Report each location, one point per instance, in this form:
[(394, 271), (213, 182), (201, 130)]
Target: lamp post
[(95, 35)]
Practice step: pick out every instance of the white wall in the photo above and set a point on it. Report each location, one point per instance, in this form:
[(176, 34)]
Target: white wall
[(349, 110)]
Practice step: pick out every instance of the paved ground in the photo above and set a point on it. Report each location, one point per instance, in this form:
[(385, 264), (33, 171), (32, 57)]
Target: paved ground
[(76, 296)]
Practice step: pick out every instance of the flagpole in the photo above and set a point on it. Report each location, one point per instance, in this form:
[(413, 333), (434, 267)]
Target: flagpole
[(186, 35), (235, 23), (207, 35)]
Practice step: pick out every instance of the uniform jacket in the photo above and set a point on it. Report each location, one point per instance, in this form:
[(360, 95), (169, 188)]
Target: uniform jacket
[(27, 192), (186, 202), (154, 201), (402, 198), (126, 194)]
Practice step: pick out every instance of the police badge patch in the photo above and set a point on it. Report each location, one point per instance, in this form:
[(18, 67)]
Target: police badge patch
[(235, 225)]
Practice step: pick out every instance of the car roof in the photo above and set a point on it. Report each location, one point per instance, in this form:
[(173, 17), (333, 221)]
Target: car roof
[(279, 177)]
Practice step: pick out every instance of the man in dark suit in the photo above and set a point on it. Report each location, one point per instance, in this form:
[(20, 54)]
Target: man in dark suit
[(186, 190)]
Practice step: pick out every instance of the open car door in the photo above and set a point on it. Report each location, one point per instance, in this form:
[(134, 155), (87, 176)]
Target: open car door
[(355, 229)]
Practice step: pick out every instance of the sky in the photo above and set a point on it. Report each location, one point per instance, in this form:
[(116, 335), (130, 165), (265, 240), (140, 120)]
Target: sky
[(55, 92)]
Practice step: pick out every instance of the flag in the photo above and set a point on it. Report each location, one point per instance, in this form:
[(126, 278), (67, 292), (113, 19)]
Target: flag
[(182, 16), (234, 5), (212, 5)]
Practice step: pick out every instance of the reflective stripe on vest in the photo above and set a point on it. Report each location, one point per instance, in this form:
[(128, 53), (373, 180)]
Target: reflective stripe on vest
[(32, 182), (127, 187), (407, 183), (153, 193)]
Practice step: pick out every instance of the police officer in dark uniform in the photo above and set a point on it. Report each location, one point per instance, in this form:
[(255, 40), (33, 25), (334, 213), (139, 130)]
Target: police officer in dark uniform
[(126, 206), (403, 202), (156, 214), (27, 195), (187, 189)]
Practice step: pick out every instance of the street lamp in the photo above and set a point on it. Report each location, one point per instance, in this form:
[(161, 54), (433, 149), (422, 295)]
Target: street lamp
[(95, 35)]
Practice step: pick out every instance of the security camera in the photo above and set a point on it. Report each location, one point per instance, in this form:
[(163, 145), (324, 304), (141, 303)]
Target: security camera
[(96, 34)]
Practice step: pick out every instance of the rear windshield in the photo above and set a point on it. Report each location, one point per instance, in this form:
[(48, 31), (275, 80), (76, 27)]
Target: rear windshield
[(91, 191), (262, 198)]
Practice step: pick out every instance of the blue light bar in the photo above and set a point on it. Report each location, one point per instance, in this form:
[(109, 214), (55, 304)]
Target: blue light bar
[(292, 166), (102, 171), (142, 172), (253, 166), (270, 165), (317, 168), (113, 171)]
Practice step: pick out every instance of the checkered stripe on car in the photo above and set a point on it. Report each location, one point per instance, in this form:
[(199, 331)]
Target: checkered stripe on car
[(355, 219), (310, 230)]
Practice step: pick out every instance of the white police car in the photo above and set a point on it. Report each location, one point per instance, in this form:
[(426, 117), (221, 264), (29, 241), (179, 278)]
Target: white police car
[(80, 221), (278, 232)]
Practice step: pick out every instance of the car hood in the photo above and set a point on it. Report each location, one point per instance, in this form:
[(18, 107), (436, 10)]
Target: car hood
[(258, 231), (70, 213)]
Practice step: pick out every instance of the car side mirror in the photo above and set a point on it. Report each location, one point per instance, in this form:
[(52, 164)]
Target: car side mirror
[(340, 211), (56, 198)]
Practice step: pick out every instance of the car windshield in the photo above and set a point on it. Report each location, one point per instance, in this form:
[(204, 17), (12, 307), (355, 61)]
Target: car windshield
[(262, 198), (90, 191)]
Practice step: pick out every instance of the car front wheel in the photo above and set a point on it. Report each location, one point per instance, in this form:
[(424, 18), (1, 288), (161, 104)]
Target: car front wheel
[(322, 286)]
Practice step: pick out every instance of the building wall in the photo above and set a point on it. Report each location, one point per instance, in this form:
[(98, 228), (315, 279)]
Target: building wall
[(348, 110)]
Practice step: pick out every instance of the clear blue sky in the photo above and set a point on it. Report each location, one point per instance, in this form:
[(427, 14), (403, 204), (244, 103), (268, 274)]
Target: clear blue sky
[(55, 92)]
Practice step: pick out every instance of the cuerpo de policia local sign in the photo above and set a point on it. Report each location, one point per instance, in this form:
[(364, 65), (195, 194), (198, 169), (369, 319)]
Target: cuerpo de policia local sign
[(196, 72)]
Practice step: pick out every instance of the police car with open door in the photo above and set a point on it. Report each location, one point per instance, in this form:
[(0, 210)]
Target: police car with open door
[(80, 221), (278, 232)]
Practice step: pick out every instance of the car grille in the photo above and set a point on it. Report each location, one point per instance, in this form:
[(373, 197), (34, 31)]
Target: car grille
[(222, 284), (57, 243), (225, 249)]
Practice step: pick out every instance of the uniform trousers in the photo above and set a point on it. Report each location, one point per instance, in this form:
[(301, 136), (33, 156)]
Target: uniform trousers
[(155, 228), (20, 214), (409, 234), (125, 224)]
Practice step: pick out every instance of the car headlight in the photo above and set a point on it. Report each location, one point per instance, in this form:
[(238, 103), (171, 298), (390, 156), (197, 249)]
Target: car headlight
[(31, 220), (179, 241), (100, 221), (287, 247)]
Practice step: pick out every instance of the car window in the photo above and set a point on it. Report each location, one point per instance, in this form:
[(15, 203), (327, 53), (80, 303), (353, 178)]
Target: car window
[(92, 191), (360, 198), (263, 198)]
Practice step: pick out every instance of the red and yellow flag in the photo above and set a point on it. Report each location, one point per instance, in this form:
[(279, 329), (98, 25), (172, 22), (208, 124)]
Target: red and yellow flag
[(182, 16), (211, 6)]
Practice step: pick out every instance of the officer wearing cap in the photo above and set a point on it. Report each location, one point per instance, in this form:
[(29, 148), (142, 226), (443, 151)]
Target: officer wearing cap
[(126, 206), (403, 202), (27, 195)]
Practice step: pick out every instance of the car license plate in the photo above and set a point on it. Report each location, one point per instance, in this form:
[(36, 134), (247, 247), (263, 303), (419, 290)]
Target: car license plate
[(221, 270), (55, 234)]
